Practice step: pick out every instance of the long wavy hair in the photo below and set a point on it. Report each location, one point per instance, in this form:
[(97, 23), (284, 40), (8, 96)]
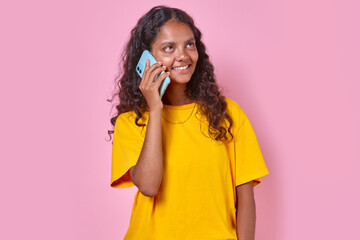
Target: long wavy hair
[(202, 87)]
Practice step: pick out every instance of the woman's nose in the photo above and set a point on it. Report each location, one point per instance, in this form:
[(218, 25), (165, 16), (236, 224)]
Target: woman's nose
[(182, 55)]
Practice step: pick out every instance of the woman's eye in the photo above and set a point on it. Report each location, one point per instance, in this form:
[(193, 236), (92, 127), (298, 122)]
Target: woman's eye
[(191, 44), (168, 49)]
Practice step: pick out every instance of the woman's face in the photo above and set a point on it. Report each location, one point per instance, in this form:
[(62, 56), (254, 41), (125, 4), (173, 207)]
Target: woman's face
[(175, 47)]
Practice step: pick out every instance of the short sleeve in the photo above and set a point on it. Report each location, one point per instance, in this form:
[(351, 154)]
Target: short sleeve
[(249, 161), (127, 144)]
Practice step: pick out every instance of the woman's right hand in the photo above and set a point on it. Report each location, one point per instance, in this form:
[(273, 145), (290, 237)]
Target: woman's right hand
[(149, 88)]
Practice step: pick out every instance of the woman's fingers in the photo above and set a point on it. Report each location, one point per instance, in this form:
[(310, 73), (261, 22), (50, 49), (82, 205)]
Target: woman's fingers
[(154, 73), (149, 87), (151, 68), (161, 78), (146, 78)]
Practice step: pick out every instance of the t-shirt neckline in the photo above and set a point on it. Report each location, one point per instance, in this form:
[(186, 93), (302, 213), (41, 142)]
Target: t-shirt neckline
[(185, 106)]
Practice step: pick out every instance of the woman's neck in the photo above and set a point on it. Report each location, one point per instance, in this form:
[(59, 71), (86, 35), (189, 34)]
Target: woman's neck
[(175, 95)]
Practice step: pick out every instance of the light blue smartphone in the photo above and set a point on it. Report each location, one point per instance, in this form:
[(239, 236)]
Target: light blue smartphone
[(141, 66)]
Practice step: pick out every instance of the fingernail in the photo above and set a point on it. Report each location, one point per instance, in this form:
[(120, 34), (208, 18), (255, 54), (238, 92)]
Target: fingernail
[(163, 67), (160, 63)]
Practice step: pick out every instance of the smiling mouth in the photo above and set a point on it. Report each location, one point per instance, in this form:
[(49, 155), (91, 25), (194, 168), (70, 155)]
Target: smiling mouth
[(181, 68)]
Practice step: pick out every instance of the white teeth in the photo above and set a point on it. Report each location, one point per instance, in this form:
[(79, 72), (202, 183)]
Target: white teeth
[(181, 68)]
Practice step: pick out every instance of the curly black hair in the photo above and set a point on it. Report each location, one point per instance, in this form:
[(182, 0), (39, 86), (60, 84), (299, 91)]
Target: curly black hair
[(202, 87)]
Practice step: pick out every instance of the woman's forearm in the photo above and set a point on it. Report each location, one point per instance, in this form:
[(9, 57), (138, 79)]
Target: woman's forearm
[(148, 171), (246, 214)]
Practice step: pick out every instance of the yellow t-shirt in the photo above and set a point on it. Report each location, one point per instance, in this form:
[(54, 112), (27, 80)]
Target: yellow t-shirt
[(197, 196)]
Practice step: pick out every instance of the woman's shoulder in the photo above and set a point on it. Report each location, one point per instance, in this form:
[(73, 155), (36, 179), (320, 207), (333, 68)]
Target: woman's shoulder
[(131, 116), (235, 110), (126, 120)]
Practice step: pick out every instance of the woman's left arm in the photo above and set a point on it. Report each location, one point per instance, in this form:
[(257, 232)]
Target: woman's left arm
[(246, 212)]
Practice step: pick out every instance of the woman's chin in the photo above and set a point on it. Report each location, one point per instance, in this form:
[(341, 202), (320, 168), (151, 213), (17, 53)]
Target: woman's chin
[(174, 80)]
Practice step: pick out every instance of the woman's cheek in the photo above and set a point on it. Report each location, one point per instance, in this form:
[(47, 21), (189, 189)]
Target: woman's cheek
[(168, 63), (168, 66)]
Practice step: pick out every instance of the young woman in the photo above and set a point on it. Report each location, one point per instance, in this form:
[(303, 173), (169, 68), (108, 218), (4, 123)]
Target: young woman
[(192, 154)]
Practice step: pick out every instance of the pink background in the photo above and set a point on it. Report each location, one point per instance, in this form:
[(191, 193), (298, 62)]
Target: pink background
[(293, 66)]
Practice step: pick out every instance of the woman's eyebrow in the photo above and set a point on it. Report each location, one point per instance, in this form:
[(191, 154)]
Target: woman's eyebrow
[(173, 43)]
